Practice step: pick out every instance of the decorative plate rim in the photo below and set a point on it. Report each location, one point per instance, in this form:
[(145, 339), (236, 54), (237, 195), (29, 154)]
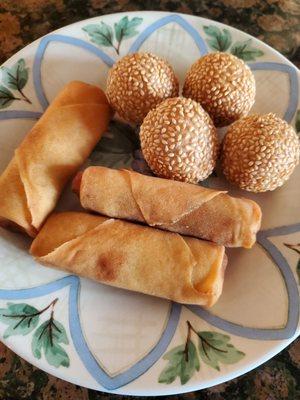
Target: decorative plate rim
[(165, 390)]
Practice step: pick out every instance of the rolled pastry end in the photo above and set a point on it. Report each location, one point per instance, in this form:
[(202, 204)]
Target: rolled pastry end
[(208, 273), (251, 226)]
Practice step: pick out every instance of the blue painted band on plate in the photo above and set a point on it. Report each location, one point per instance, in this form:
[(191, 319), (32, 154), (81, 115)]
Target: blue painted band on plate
[(37, 75), (79, 341), (164, 21), (15, 114), (292, 292), (293, 80)]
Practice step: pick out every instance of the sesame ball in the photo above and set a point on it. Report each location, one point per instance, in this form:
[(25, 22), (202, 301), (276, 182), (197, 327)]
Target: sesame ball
[(137, 83), (223, 84), (260, 152), (179, 140)]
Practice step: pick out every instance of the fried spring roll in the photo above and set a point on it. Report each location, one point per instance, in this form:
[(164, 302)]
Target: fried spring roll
[(132, 256), (174, 206), (50, 154)]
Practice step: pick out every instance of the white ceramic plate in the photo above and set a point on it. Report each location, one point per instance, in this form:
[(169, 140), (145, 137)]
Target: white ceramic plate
[(114, 340)]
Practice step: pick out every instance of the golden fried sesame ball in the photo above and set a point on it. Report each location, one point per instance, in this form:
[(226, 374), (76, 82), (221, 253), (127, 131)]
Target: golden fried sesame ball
[(260, 152), (137, 83), (179, 140), (223, 84)]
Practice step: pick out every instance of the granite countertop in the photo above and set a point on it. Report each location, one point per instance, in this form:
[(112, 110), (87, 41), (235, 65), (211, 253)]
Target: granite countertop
[(274, 21)]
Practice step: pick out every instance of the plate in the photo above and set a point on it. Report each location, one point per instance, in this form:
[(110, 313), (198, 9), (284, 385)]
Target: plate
[(110, 339)]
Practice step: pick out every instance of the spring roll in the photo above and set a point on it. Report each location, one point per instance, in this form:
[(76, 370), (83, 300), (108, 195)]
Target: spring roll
[(132, 256), (174, 206), (50, 154)]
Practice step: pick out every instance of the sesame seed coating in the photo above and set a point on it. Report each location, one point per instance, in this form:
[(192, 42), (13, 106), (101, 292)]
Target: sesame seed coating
[(223, 84), (260, 152), (179, 140), (137, 83)]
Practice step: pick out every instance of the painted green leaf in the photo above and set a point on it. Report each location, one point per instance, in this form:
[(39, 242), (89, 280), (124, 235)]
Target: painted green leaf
[(294, 247), (111, 160), (20, 318), (297, 123), (139, 163), (116, 148), (47, 338), (126, 28), (206, 183), (298, 269), (15, 77), (6, 97), (101, 34), (245, 51), (173, 368), (57, 356), (120, 139), (220, 40), (181, 363), (189, 364), (215, 348)]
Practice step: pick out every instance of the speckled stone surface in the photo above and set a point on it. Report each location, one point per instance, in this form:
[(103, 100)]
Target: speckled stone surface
[(277, 23)]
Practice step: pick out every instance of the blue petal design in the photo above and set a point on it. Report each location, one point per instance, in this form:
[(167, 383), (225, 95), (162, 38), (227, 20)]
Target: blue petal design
[(164, 21), (291, 71), (79, 342), (292, 290), (294, 86), (73, 282), (37, 79)]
